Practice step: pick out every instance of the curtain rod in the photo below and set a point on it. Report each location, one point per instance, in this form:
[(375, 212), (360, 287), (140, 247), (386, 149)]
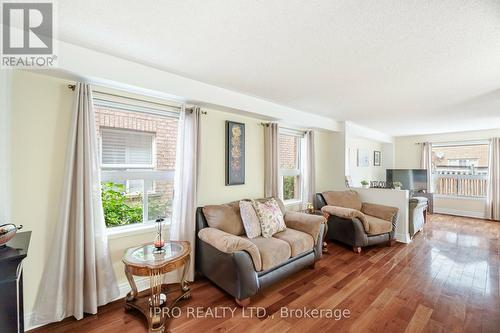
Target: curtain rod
[(284, 127), (457, 142), (73, 86)]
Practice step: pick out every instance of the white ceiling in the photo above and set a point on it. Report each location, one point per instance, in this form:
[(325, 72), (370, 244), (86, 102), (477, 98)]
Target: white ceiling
[(397, 66)]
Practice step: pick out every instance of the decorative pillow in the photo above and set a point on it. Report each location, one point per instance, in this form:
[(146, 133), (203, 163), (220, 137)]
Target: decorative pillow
[(270, 216), (225, 217), (251, 221)]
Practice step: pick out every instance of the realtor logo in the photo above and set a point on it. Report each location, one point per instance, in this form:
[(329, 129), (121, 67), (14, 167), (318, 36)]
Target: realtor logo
[(28, 34)]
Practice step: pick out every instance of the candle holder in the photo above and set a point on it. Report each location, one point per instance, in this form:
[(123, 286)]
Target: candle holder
[(310, 208), (159, 242)]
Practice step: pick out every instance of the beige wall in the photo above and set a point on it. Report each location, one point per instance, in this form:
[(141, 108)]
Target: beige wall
[(407, 152), (407, 156), (40, 122), (4, 146), (329, 155), (212, 187)]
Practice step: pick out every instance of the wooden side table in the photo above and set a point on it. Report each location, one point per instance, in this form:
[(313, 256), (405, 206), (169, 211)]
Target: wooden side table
[(318, 212), (146, 261)]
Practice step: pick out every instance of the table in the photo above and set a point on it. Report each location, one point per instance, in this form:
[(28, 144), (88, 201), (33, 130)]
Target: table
[(145, 260), (319, 212), (11, 282)]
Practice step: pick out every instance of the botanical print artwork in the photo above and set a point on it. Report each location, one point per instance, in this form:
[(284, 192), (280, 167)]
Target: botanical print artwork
[(235, 153), (236, 150)]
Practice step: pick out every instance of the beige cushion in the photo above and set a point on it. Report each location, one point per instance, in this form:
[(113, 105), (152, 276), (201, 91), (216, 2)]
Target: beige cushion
[(382, 212), (346, 213), (270, 217), (225, 217), (228, 243), (250, 219), (377, 226), (308, 223), (299, 241), (272, 251), (347, 199)]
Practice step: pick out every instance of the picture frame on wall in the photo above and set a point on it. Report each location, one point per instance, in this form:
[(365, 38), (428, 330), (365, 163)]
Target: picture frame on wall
[(363, 158), (235, 153), (377, 156)]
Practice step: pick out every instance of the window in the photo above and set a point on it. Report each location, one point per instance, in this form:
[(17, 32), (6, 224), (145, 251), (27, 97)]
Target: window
[(137, 151), (460, 169), (290, 173)]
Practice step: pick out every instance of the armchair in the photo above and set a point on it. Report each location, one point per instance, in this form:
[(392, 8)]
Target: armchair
[(356, 223)]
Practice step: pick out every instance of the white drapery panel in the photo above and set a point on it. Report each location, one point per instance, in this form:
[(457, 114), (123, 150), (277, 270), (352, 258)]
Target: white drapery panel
[(493, 198), (186, 181), (426, 163), (309, 174), (271, 160), (78, 276)]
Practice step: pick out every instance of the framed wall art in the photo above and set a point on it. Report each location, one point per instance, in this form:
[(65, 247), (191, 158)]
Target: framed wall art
[(376, 158), (235, 153), (363, 158)]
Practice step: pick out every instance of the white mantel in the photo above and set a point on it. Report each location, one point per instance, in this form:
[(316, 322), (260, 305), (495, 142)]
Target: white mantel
[(394, 198)]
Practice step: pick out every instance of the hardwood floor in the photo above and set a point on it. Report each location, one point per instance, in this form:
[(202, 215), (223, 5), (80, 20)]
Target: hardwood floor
[(446, 280)]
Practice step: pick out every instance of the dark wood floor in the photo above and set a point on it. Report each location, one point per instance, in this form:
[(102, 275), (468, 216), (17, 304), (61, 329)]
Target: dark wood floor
[(446, 280)]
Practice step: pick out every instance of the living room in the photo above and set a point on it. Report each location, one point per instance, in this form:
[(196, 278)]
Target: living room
[(182, 181)]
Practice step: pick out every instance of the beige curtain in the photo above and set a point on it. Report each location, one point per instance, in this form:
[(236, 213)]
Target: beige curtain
[(186, 181), (426, 163), (271, 160), (308, 169), (493, 199), (78, 275)]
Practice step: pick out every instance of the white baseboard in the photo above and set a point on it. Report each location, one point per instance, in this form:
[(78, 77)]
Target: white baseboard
[(402, 238), (124, 287), (458, 212)]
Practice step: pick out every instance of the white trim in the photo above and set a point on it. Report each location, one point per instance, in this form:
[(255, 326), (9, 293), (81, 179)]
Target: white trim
[(292, 202), (291, 132), (458, 212), (402, 238), (460, 143), (134, 229), (121, 176), (142, 283), (290, 172)]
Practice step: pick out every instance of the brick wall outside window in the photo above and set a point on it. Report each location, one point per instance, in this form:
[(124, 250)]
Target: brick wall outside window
[(165, 131), (288, 151)]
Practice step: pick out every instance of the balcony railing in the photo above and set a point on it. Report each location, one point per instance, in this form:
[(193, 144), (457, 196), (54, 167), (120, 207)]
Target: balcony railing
[(460, 184)]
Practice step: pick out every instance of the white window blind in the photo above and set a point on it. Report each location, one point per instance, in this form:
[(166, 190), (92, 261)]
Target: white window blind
[(125, 148)]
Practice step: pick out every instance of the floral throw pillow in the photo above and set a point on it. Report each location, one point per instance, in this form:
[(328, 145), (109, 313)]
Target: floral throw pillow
[(270, 216), (251, 221)]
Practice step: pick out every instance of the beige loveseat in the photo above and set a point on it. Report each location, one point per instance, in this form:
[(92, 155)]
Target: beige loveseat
[(243, 266)]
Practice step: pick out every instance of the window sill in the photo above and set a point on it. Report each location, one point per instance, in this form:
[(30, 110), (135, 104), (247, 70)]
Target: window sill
[(294, 202), (132, 230)]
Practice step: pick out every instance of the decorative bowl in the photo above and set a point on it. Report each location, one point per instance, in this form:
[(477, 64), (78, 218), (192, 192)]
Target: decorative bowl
[(7, 232)]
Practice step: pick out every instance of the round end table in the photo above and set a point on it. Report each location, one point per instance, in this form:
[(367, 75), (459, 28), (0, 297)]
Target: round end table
[(145, 260)]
